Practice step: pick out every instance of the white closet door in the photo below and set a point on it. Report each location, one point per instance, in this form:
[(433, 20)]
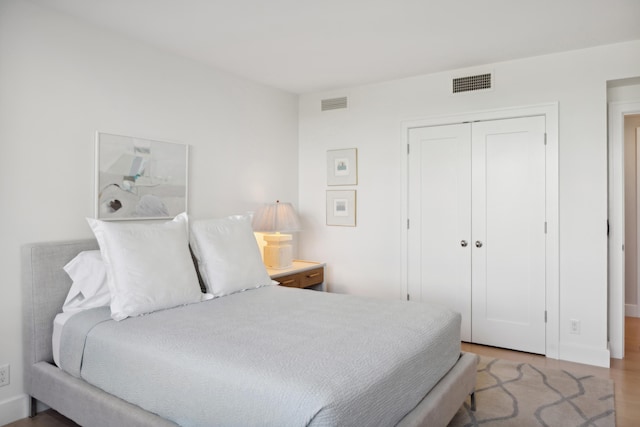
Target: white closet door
[(508, 258), (440, 218)]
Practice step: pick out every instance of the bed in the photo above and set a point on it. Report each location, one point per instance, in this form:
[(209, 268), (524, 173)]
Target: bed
[(45, 286)]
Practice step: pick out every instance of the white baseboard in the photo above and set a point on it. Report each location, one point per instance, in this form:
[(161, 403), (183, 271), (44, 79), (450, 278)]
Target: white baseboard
[(584, 354), (13, 409), (631, 310)]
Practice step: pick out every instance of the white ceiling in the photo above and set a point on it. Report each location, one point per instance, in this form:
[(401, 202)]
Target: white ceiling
[(312, 45)]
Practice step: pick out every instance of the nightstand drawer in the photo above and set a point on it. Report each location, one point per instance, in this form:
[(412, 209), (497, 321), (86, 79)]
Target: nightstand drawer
[(292, 281), (303, 279), (302, 274), (312, 277)]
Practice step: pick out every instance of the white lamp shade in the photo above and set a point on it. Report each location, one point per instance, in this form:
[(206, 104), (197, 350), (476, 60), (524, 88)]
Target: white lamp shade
[(276, 217)]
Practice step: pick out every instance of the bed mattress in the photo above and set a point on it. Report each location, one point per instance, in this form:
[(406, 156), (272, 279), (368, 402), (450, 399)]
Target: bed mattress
[(58, 325), (272, 356)]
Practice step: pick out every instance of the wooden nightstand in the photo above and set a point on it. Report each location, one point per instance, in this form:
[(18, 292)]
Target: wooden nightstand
[(302, 274)]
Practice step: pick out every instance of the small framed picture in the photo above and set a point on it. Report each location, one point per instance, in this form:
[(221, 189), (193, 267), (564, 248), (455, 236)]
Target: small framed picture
[(341, 207), (342, 167)]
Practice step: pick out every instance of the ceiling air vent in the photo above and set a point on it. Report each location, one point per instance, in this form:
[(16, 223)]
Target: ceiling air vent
[(472, 83), (334, 103)]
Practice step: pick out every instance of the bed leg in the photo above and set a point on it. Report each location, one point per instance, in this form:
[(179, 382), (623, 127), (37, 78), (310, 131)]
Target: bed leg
[(473, 401), (33, 406)]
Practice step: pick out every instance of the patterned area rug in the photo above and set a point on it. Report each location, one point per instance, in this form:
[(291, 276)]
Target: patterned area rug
[(519, 394)]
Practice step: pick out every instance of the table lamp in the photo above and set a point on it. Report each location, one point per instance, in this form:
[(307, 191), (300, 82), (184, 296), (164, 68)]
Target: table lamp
[(275, 219)]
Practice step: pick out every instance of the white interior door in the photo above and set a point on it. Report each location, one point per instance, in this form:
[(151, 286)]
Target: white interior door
[(440, 218), (508, 228), (476, 240)]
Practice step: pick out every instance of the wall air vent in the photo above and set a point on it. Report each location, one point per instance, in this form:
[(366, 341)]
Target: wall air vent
[(333, 103), (472, 83)]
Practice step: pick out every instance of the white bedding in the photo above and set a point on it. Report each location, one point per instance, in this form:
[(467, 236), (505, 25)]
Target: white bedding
[(270, 356), (58, 325)]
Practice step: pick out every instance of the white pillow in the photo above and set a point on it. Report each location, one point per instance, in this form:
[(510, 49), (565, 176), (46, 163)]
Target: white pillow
[(90, 288), (228, 255), (149, 266)]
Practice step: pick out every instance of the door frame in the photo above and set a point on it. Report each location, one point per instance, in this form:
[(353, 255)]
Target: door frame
[(617, 111), (552, 261), (633, 310)]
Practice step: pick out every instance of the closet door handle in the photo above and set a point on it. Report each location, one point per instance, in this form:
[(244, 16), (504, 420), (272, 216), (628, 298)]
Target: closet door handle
[(463, 243), (478, 244)]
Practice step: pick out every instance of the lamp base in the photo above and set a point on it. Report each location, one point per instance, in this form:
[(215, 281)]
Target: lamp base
[(278, 252)]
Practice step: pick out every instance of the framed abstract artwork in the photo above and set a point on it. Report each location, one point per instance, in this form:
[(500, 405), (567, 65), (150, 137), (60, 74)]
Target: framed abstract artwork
[(341, 207), (139, 178), (342, 167)]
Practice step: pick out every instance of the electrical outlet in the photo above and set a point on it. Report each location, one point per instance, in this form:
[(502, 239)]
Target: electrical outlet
[(575, 327), (4, 375)]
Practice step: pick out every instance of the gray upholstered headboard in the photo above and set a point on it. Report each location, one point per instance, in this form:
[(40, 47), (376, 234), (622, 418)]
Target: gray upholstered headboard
[(44, 288)]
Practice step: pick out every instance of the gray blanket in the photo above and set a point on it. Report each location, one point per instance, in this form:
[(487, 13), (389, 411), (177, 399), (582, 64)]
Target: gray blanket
[(272, 356)]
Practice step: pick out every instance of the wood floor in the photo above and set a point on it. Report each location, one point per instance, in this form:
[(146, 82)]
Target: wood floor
[(625, 373)]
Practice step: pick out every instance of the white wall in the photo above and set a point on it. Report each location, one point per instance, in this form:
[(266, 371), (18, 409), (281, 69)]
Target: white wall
[(60, 81), (623, 90), (623, 99), (366, 260), (627, 90), (631, 123)]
